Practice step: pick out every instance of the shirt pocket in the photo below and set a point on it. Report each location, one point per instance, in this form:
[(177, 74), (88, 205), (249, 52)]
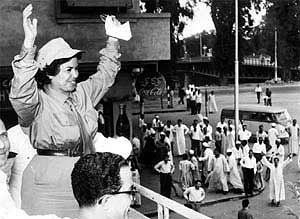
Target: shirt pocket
[(65, 119)]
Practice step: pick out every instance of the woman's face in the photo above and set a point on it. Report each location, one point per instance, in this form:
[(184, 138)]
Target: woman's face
[(65, 80)]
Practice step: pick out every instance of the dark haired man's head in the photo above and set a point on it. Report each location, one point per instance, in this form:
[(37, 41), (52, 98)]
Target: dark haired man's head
[(216, 153), (244, 143), (96, 177), (245, 203), (197, 184)]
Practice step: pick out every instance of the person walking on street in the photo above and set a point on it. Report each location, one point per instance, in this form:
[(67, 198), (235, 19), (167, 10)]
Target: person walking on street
[(244, 212), (181, 94), (294, 133), (180, 131), (194, 196), (186, 168), (258, 91), (273, 135), (212, 105), (234, 177), (249, 170), (198, 101), (165, 168)]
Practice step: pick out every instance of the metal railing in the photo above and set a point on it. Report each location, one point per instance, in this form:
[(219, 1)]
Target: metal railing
[(165, 204)]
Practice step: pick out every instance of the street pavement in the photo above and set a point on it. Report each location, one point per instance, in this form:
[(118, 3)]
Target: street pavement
[(284, 95)]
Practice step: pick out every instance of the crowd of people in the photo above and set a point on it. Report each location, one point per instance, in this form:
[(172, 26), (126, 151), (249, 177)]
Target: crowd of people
[(218, 161)]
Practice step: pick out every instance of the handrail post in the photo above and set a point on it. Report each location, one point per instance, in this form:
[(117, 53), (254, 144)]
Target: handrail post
[(166, 213), (160, 211)]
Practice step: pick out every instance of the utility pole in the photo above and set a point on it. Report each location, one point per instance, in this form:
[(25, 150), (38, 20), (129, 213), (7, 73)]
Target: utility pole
[(236, 76), (200, 39), (276, 65)]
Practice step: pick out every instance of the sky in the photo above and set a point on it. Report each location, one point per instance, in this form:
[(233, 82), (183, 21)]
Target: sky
[(202, 20)]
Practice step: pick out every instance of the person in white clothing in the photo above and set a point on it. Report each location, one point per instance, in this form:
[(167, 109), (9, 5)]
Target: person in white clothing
[(234, 177), (245, 148), (273, 135), (244, 134), (294, 132), (249, 170), (198, 101), (180, 131), (194, 196), (258, 90), (217, 178), (279, 150), (222, 124), (207, 158), (19, 144), (212, 105), (258, 148), (196, 136), (276, 185), (261, 133)]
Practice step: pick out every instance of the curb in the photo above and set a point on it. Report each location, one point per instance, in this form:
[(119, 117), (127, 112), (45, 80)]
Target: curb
[(154, 212), (162, 111)]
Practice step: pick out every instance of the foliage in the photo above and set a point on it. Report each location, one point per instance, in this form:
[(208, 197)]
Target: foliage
[(223, 16)]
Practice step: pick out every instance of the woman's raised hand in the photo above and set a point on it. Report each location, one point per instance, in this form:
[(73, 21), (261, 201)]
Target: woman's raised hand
[(30, 27)]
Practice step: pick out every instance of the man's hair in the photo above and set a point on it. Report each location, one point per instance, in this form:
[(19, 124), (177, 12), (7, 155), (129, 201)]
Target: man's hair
[(95, 175), (42, 76), (245, 203), (198, 180)]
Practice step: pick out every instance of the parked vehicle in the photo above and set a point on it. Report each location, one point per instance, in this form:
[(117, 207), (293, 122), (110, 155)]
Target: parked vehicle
[(255, 115)]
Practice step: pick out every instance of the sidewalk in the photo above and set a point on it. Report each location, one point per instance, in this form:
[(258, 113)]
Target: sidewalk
[(154, 106)]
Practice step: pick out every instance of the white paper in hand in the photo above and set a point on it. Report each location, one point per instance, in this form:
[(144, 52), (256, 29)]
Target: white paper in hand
[(115, 29)]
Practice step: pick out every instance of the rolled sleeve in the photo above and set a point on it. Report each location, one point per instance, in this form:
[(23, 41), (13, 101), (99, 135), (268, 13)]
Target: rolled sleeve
[(109, 65)]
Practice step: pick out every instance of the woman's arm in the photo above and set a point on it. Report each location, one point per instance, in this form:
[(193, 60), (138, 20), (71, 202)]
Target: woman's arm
[(24, 95)]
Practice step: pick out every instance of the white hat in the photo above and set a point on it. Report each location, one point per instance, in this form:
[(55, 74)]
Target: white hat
[(273, 124), (191, 152), (278, 140), (55, 49), (205, 118), (162, 133), (120, 145), (237, 142), (152, 131), (205, 144), (157, 116), (229, 150)]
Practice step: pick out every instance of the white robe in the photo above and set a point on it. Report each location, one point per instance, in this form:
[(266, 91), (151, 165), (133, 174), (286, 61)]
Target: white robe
[(180, 132), (276, 183), (273, 134), (212, 105), (217, 178), (294, 139), (234, 177)]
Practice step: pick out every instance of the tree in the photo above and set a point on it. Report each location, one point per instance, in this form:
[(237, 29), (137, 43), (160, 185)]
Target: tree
[(223, 16), (284, 15)]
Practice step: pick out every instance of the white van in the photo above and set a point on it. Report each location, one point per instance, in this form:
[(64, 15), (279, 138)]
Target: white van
[(255, 115)]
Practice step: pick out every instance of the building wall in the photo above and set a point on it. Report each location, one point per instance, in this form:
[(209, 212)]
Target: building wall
[(150, 41)]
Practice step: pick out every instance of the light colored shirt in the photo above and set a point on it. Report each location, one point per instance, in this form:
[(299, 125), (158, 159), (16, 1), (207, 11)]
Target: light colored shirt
[(258, 148), (194, 195), (198, 98), (237, 153), (258, 89), (8, 210), (245, 150), (163, 167), (51, 120), (249, 163), (196, 135), (244, 135)]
